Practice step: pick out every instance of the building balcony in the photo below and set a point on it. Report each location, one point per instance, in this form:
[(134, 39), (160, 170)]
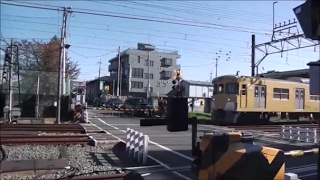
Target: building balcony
[(166, 75), (166, 62)]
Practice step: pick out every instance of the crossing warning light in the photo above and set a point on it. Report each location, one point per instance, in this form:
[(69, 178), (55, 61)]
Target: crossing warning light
[(176, 83)]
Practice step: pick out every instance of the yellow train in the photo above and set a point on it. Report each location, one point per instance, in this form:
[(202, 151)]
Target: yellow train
[(243, 99)]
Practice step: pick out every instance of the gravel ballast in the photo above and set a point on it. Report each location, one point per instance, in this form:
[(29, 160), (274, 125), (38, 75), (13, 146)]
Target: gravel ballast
[(81, 157)]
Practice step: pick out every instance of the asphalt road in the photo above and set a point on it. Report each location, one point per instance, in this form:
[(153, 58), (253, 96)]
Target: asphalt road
[(174, 149)]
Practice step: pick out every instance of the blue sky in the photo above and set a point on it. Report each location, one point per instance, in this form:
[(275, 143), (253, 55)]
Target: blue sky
[(94, 37)]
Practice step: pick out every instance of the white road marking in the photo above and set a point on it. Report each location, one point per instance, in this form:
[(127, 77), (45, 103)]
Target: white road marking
[(154, 159), (154, 143), (125, 124)]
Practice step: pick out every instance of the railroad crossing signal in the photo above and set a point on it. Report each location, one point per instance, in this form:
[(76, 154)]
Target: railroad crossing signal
[(176, 83)]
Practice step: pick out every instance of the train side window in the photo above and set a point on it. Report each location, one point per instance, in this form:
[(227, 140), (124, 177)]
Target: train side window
[(243, 89), (279, 93), (215, 89), (314, 98), (220, 88)]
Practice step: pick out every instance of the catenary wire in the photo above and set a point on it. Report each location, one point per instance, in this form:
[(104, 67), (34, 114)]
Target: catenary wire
[(157, 20)]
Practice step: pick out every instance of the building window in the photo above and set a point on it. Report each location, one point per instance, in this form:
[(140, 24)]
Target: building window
[(139, 59), (146, 89), (150, 62), (314, 98), (166, 61), (146, 75), (166, 74), (279, 93), (137, 73), (136, 84)]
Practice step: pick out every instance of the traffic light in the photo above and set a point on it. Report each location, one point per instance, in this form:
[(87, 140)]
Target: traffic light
[(308, 15), (177, 114)]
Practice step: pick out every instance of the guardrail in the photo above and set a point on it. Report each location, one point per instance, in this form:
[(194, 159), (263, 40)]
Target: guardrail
[(137, 145), (299, 134)]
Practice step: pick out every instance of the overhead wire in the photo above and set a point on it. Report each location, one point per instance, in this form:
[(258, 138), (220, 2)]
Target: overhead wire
[(134, 17), (214, 6), (225, 12), (137, 33), (172, 15), (83, 12), (202, 13), (144, 29), (98, 37)]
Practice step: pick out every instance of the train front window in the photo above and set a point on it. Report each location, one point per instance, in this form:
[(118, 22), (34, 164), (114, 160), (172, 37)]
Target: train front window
[(232, 88), (221, 88), (215, 89)]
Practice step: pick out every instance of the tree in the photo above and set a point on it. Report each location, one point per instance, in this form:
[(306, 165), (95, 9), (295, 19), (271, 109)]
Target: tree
[(41, 59)]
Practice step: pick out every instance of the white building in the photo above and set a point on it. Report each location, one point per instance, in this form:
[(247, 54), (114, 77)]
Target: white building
[(197, 89)]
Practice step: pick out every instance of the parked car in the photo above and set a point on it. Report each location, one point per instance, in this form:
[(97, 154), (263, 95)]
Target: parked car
[(99, 101), (114, 103), (137, 106)]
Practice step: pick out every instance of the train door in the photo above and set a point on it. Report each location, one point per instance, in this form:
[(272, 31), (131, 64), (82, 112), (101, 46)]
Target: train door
[(299, 98), (243, 96), (260, 96)]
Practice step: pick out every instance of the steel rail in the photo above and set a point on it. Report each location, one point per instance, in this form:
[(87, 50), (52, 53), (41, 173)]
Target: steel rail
[(20, 136), (46, 140), (82, 130), (68, 126), (99, 177)]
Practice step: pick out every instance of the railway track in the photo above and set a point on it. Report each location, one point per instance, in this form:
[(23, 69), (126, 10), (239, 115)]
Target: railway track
[(51, 139), (35, 148), (71, 128)]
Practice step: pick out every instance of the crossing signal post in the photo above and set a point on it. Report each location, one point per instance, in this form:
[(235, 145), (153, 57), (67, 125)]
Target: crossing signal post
[(177, 110)]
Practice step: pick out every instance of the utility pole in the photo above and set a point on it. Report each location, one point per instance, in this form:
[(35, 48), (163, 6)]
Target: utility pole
[(148, 88), (118, 79), (273, 17), (253, 55), (216, 66), (99, 67), (10, 80), (218, 56), (211, 77), (61, 64), (64, 55)]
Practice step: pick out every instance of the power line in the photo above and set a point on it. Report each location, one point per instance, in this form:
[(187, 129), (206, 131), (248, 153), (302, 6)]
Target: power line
[(110, 39), (166, 8), (196, 11), (145, 29), (98, 37), (91, 56), (131, 17), (223, 10), (137, 33)]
